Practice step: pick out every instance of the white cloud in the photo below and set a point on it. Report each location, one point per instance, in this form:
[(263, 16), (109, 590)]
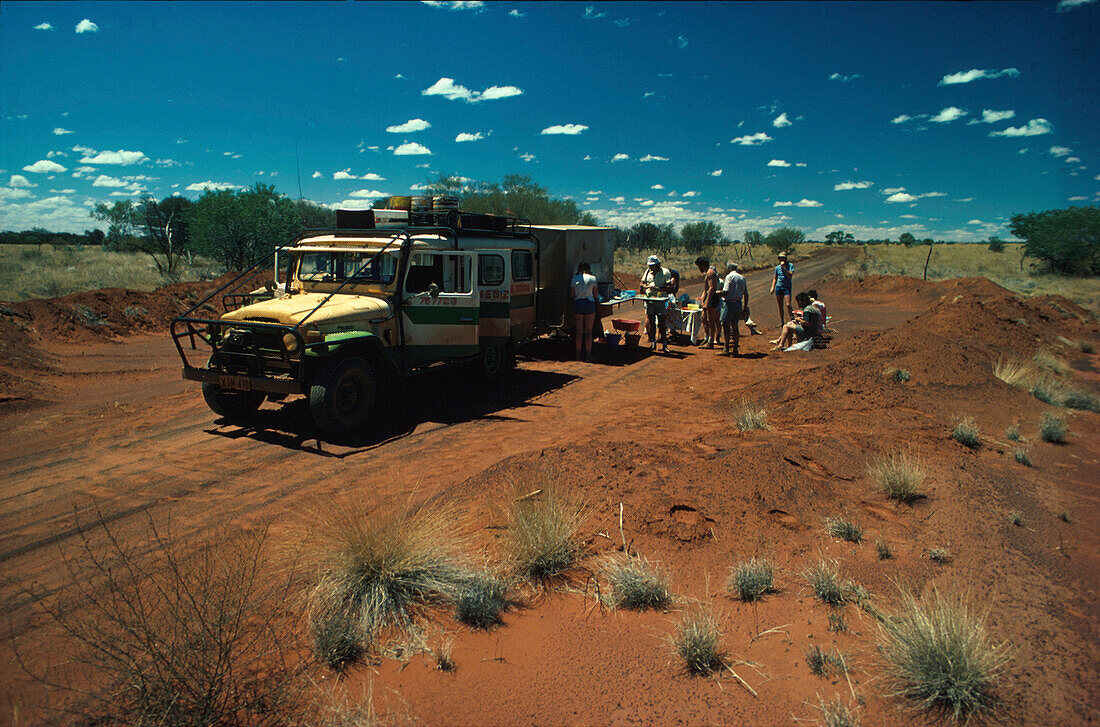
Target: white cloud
[(18, 180), (411, 148), (368, 194), (843, 186), (715, 173), (86, 26), (623, 22), (44, 166), (570, 129), (992, 117), (465, 136), (658, 186), (1035, 127), (780, 121), (975, 74), (653, 158), (1064, 6), (620, 157), (690, 193), (43, 26), (901, 197), (517, 14), (81, 171), (752, 139), (901, 119), (10, 193), (58, 131), (617, 200), (447, 88), (409, 126), (104, 181), (317, 175), (455, 4), (591, 14), (346, 174), (778, 163), (1077, 199), (975, 222), (948, 115), (1072, 160), (965, 199), (528, 157), (1060, 151), (801, 203), (202, 186), (842, 78), (115, 157), (681, 42), (52, 154)]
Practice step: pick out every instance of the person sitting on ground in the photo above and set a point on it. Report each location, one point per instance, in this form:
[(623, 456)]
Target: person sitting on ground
[(735, 298), (821, 308), (655, 284), (805, 325), (585, 296), (709, 301)]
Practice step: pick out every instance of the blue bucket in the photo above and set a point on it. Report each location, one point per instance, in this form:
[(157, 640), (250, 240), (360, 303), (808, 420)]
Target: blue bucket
[(612, 339)]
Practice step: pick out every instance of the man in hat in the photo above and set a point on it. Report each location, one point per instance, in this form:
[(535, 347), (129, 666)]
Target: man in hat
[(735, 299), (656, 281)]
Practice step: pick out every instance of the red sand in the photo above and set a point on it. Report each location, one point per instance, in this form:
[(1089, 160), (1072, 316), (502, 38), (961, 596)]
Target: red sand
[(111, 426)]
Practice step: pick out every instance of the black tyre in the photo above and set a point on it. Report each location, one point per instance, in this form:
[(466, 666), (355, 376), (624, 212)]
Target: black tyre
[(341, 401), (236, 406), (497, 362)]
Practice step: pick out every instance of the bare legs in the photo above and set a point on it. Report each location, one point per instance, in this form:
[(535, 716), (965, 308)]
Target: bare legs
[(583, 333)]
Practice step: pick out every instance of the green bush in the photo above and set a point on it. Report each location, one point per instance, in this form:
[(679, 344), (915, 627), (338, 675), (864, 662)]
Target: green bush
[(965, 433), (751, 579), (697, 642), (1068, 240), (1053, 429), (636, 583)]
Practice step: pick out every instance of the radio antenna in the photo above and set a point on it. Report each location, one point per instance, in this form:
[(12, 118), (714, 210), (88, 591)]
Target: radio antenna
[(298, 168)]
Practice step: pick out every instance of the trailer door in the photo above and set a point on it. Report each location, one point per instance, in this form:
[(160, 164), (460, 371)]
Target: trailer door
[(443, 326)]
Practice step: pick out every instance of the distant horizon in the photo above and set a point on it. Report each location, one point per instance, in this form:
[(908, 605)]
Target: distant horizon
[(938, 119)]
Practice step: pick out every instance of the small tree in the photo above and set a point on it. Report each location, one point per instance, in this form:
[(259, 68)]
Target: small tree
[(241, 226), (1067, 240), (907, 239), (753, 238), (784, 239), (839, 237), (698, 236), (996, 245), (122, 220)]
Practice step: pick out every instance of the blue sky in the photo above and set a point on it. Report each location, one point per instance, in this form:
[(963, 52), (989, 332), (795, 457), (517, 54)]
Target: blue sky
[(941, 119)]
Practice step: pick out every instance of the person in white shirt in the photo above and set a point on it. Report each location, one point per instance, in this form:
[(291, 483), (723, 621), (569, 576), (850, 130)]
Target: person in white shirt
[(585, 294), (656, 282), (735, 299)]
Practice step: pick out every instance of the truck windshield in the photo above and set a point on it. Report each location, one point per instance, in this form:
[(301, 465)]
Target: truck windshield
[(336, 266)]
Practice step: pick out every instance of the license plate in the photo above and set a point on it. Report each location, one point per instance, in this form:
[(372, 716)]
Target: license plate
[(234, 383)]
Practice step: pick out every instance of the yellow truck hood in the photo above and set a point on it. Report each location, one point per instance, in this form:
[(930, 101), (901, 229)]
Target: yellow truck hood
[(291, 309)]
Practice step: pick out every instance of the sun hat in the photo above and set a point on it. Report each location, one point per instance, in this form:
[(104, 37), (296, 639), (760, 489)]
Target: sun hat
[(653, 260), (783, 255)]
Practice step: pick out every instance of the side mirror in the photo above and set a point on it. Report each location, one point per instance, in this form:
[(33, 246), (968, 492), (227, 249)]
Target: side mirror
[(269, 286), (433, 290)]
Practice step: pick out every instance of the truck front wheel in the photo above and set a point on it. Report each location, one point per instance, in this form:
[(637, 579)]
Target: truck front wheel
[(341, 401), (236, 406)]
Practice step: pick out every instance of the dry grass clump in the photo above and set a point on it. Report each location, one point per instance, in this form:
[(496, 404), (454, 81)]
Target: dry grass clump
[(636, 583), (1047, 360), (882, 549), (749, 417), (1048, 391), (822, 662), (162, 632), (939, 555), (1013, 433), (697, 640), (750, 580), (900, 477), (543, 535), (939, 655), (1084, 400), (1022, 457), (1053, 429), (825, 581), (1016, 518), (844, 529), (965, 432), (834, 713), (379, 572), (481, 600), (837, 623), (1015, 372), (444, 655)]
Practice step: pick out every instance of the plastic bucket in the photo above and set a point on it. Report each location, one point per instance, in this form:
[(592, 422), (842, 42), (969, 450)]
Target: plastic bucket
[(633, 339), (611, 338)]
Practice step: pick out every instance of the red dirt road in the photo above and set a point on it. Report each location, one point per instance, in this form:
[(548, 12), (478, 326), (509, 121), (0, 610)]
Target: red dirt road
[(122, 433)]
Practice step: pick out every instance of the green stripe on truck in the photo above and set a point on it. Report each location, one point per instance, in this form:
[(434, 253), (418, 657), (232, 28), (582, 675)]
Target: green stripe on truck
[(442, 314)]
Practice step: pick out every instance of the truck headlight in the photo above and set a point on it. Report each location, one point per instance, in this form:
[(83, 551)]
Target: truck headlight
[(290, 342)]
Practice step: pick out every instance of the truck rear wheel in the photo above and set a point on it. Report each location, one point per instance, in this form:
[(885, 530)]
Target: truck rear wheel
[(342, 399), (497, 362)]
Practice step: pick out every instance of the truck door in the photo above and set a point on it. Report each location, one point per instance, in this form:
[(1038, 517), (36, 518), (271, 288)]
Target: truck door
[(441, 326)]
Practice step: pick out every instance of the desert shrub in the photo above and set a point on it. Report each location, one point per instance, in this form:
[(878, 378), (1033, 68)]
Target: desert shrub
[(1022, 457), (822, 662), (481, 600), (939, 555), (1015, 372), (697, 640), (837, 623), (751, 579), (163, 634), (1086, 347), (825, 582), (1053, 429), (1082, 400), (939, 655), (338, 639), (900, 477), (844, 529), (1016, 518), (135, 311), (444, 655), (384, 569), (834, 713), (882, 548), (1063, 516), (636, 583), (899, 375), (85, 315), (1013, 433), (749, 417), (1048, 391), (1047, 360), (965, 432), (543, 535)]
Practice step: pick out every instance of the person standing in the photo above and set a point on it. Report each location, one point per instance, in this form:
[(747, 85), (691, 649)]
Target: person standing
[(655, 284), (781, 287), (585, 292), (709, 301), (735, 298)]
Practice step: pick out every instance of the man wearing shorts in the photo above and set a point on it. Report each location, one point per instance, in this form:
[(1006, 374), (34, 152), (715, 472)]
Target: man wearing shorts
[(655, 284), (709, 302), (735, 298)]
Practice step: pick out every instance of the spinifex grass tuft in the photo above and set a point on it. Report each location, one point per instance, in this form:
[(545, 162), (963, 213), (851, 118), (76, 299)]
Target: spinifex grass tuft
[(844, 529), (1082, 400), (1013, 433), (1053, 429), (543, 538), (1015, 372), (1022, 457), (834, 713), (939, 555), (1048, 391), (899, 375), (825, 580), (697, 642), (481, 599), (965, 432), (939, 655), (882, 548), (749, 417), (900, 477), (1016, 518), (635, 583), (1047, 360), (751, 579)]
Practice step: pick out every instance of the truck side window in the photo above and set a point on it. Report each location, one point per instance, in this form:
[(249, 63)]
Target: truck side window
[(490, 270), (424, 269), (458, 274), (521, 265)]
